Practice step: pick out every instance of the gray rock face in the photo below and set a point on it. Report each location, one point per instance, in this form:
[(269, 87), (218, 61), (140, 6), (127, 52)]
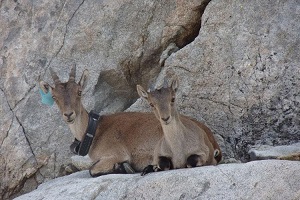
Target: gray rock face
[(120, 42), (263, 152), (253, 180), (239, 74)]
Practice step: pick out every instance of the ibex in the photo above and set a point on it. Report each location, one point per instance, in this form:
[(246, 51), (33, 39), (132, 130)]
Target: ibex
[(186, 142), (119, 138)]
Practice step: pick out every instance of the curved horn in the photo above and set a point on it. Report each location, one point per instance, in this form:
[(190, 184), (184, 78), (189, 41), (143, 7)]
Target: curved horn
[(73, 73), (54, 76)]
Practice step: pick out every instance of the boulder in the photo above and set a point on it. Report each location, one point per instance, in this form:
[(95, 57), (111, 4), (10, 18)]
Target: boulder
[(270, 179), (120, 42)]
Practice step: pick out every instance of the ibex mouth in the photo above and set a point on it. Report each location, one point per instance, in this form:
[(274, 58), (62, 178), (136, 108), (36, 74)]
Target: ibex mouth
[(166, 120), (166, 123), (70, 121)]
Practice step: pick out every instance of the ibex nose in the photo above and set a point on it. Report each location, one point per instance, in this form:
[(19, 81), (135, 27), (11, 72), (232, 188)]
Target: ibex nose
[(165, 119), (68, 115)]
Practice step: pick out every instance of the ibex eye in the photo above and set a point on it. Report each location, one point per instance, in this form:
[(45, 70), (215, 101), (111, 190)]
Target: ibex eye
[(79, 93), (151, 104), (173, 100)]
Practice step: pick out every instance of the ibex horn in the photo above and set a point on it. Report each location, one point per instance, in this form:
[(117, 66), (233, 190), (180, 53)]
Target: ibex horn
[(54, 76), (73, 73)]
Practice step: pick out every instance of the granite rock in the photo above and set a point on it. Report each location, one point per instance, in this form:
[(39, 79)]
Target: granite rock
[(119, 42), (254, 180)]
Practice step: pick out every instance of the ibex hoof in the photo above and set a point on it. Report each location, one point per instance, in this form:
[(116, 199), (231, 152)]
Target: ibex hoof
[(165, 163), (123, 168), (194, 161), (128, 168), (149, 169)]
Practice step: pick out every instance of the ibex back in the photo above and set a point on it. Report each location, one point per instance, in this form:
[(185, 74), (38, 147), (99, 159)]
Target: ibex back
[(186, 142)]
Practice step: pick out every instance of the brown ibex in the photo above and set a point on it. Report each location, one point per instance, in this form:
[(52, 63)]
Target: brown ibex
[(119, 138), (186, 142)]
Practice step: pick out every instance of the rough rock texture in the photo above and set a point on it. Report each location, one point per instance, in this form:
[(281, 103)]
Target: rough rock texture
[(239, 76), (274, 180), (120, 42), (263, 152), (81, 162)]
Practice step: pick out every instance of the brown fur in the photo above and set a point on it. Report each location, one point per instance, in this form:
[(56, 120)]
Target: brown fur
[(184, 138), (125, 137), (210, 135)]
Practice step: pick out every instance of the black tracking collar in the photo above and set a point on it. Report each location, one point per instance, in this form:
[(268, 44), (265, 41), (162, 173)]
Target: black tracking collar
[(82, 148)]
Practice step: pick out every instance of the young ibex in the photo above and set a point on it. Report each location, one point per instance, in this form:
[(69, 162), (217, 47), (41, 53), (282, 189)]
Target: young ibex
[(186, 142)]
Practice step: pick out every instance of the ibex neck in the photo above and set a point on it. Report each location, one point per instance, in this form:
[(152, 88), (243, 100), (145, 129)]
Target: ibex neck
[(175, 129), (79, 127), (176, 121), (175, 125), (175, 137)]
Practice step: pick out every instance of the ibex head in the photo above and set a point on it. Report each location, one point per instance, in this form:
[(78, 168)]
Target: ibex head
[(67, 95), (162, 100)]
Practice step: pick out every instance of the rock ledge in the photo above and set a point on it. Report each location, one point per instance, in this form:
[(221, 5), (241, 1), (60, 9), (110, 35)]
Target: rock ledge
[(268, 179)]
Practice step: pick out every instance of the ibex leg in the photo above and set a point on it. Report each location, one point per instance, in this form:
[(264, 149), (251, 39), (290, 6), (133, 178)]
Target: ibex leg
[(195, 161), (164, 163), (111, 165)]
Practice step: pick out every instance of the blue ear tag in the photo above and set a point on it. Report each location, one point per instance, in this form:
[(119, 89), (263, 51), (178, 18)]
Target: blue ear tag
[(46, 98)]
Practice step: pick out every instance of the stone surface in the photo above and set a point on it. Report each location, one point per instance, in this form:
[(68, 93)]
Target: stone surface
[(120, 42), (81, 162), (263, 152), (274, 180), (239, 74)]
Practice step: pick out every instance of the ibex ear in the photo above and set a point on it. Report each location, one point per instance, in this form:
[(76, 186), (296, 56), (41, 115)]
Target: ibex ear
[(143, 93), (84, 78), (45, 87), (174, 84)]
